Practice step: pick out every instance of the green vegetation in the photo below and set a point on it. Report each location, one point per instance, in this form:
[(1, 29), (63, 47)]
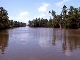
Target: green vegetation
[(6, 23), (69, 18)]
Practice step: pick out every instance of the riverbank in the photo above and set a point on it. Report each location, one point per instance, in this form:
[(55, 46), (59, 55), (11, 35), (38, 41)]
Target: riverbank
[(68, 18)]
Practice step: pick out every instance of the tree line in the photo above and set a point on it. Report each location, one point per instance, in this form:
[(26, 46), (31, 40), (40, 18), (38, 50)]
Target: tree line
[(6, 23), (68, 18)]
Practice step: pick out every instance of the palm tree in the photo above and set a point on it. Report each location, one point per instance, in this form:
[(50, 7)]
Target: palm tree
[(64, 12), (53, 13), (3, 17), (71, 9)]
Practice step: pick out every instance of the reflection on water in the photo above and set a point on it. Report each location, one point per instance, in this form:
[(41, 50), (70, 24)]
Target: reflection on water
[(45, 38), (40, 44), (70, 40), (3, 40)]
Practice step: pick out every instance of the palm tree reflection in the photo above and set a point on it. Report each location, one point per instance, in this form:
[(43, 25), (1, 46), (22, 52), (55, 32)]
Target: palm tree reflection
[(3, 40), (70, 40)]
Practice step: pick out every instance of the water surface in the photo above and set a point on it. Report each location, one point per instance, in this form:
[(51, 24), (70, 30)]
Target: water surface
[(26, 43)]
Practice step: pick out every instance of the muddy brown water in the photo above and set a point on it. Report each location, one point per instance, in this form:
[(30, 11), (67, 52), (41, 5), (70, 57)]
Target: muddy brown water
[(27, 43)]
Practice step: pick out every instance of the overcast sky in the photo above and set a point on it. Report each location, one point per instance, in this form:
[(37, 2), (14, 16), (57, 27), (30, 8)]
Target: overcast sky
[(25, 10)]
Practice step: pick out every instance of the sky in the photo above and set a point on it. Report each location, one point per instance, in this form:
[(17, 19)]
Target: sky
[(25, 10)]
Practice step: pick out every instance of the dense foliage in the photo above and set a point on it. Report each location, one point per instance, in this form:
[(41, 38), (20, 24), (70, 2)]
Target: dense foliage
[(69, 18), (40, 23), (5, 22)]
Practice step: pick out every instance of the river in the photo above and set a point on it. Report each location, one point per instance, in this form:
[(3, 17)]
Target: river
[(25, 43)]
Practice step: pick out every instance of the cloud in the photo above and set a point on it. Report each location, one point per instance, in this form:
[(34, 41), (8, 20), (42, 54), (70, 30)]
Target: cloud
[(42, 15), (60, 4), (44, 7), (43, 10), (22, 17), (24, 14)]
